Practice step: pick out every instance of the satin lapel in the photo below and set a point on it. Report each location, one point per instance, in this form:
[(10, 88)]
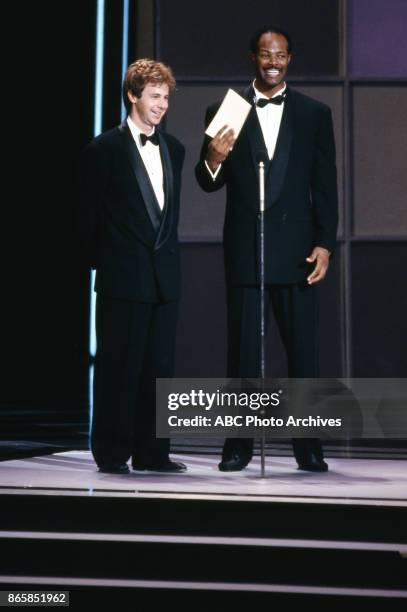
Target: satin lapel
[(141, 174), (253, 129), (278, 167), (168, 191), (255, 136)]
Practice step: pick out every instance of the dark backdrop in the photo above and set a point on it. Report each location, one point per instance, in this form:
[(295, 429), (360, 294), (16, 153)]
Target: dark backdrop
[(48, 89)]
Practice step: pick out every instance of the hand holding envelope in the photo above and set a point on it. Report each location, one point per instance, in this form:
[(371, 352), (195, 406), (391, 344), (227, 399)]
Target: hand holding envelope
[(225, 128), (220, 147)]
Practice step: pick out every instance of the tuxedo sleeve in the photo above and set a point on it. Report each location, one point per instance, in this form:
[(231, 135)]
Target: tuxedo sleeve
[(207, 181), (324, 190), (92, 180)]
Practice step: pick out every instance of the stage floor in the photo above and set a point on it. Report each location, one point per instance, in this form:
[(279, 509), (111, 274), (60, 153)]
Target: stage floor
[(349, 481)]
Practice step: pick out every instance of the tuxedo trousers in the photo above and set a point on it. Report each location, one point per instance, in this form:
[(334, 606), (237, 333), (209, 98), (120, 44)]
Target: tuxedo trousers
[(295, 309), (135, 345)]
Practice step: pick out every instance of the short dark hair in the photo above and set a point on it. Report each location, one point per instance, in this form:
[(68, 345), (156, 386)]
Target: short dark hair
[(145, 71), (254, 41)]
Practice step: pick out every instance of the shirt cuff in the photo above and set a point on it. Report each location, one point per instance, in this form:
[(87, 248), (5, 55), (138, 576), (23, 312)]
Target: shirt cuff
[(213, 174)]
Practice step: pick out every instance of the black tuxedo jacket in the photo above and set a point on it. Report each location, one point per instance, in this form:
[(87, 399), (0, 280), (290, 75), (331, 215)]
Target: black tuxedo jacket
[(128, 240), (301, 192)]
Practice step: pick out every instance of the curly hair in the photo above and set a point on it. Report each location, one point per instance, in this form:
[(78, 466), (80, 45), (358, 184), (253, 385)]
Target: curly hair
[(140, 73)]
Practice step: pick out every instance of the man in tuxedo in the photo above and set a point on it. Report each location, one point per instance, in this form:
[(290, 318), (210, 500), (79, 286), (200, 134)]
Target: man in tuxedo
[(294, 133), (130, 179)]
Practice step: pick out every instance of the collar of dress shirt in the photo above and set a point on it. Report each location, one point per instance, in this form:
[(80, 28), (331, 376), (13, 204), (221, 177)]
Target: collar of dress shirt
[(258, 95), (135, 131)]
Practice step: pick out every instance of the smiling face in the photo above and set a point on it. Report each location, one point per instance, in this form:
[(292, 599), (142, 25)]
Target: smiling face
[(148, 110), (271, 62)]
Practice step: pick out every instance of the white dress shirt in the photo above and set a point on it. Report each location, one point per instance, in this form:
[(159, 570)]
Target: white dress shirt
[(150, 154), (269, 118)]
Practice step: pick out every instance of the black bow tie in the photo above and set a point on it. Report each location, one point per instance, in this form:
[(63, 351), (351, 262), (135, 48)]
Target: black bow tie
[(153, 138), (262, 102)]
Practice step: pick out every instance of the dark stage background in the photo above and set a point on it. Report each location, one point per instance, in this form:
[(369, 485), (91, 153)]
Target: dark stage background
[(349, 53)]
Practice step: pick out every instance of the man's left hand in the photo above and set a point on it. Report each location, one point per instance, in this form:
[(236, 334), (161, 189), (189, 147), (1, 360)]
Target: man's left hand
[(321, 257)]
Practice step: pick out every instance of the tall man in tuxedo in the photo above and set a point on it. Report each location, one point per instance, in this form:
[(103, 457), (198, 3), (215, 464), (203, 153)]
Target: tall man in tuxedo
[(300, 224), (130, 179)]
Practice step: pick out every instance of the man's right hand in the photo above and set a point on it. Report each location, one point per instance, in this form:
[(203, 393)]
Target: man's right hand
[(220, 147)]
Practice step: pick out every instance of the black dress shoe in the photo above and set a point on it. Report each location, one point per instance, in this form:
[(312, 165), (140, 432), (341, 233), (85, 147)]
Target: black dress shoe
[(235, 463), (169, 467), (313, 465), (114, 468)]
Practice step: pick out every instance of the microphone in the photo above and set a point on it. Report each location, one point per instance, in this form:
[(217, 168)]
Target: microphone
[(262, 156), (262, 159)]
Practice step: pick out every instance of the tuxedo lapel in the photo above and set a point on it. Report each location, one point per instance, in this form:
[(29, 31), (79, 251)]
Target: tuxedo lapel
[(278, 167), (253, 130), (256, 139), (166, 223), (143, 180)]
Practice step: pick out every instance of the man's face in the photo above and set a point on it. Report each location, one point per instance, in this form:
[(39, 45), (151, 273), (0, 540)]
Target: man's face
[(148, 110), (271, 62)]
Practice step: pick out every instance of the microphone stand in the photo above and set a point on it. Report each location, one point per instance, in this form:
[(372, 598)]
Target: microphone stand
[(262, 317)]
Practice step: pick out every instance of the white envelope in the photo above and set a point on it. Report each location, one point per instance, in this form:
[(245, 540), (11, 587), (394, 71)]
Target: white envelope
[(232, 112)]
